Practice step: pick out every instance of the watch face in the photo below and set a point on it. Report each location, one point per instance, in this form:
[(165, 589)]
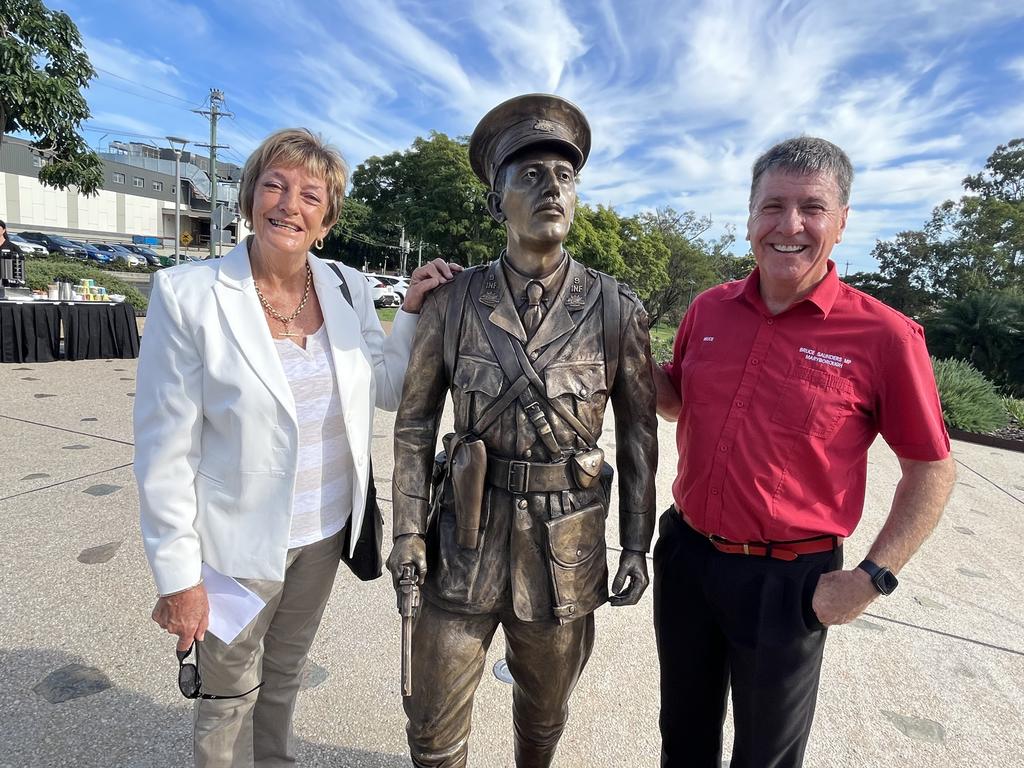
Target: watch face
[(886, 581)]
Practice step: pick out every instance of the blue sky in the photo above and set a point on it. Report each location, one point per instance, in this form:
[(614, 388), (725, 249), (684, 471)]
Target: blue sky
[(681, 96)]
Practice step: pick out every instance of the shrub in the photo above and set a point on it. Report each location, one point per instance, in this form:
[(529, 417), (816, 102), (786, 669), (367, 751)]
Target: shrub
[(41, 272), (969, 400), (1015, 407)]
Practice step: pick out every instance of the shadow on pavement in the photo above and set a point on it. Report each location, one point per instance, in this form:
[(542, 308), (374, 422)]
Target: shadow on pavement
[(110, 726)]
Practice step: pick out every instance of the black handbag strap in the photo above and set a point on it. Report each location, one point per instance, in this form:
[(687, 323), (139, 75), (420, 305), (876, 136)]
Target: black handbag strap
[(344, 286)]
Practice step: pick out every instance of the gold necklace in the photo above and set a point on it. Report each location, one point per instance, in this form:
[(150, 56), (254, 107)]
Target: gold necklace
[(290, 318)]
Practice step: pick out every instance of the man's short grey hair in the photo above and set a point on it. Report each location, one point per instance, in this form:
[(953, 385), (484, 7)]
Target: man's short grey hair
[(804, 155)]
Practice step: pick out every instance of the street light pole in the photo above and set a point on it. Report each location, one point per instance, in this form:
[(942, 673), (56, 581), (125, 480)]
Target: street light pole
[(177, 146)]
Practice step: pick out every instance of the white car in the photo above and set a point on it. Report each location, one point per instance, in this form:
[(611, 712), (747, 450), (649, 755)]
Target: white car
[(383, 294), (399, 284), (27, 247)]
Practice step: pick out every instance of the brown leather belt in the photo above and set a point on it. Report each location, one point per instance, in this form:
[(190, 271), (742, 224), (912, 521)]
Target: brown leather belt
[(529, 477), (780, 550)]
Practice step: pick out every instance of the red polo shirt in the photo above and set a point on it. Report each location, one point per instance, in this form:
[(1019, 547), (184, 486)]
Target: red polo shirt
[(779, 411)]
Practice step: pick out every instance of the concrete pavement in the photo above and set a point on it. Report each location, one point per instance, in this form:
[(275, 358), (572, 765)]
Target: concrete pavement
[(932, 677)]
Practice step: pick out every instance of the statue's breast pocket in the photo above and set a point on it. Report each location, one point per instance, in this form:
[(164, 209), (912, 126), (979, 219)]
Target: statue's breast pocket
[(580, 386), (475, 385)]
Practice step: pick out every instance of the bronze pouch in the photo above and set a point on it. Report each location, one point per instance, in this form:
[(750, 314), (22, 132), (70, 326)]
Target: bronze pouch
[(577, 563), (586, 467)]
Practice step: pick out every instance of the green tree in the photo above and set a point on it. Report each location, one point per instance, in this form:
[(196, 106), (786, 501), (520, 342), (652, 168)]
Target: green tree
[(970, 245), (694, 264), (595, 239), (431, 190), (43, 69), (986, 330)]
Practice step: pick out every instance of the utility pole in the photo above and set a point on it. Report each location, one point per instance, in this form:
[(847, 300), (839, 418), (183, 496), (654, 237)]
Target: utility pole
[(401, 252), (419, 259), (216, 99), (847, 272)]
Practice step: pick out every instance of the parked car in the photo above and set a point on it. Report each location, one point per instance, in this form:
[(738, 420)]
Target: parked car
[(398, 284), (56, 244), (28, 248), (120, 253), (94, 253), (183, 258), (149, 255), (382, 293)]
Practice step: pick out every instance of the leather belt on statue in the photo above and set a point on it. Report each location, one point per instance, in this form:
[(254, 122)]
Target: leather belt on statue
[(529, 477)]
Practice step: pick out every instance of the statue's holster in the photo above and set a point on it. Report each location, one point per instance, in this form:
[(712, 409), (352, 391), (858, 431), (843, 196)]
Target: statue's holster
[(467, 468)]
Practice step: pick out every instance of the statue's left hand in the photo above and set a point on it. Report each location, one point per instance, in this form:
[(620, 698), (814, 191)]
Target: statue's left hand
[(425, 279), (632, 566)]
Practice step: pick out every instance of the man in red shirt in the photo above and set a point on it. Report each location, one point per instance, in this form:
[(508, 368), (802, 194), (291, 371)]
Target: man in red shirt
[(780, 383)]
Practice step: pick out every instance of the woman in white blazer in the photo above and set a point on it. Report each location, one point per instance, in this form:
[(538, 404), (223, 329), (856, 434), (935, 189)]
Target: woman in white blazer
[(255, 393)]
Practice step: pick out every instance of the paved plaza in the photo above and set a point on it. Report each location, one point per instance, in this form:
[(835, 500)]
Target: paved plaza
[(932, 677)]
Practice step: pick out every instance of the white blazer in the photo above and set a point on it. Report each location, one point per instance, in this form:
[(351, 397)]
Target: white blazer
[(216, 438)]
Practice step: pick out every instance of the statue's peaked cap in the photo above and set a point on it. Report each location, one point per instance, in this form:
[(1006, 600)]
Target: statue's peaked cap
[(535, 118)]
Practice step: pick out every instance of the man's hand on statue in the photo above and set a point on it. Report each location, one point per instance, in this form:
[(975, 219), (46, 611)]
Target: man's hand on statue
[(632, 566), (841, 596), (185, 614), (409, 549), (425, 279)]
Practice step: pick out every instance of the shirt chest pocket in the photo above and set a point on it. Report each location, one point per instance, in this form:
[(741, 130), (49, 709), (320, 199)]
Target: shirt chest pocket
[(814, 401)]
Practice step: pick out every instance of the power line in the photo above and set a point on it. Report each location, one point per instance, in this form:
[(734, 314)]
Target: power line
[(142, 85), (138, 95)]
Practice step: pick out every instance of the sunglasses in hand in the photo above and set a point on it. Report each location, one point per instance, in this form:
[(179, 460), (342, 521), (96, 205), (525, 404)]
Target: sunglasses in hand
[(189, 682)]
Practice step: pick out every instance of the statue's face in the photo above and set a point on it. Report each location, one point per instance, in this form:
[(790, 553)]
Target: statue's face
[(538, 200)]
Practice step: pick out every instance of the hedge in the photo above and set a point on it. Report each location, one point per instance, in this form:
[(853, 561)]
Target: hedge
[(969, 400), (39, 273)]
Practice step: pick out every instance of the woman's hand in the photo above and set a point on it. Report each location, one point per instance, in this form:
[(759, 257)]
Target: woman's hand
[(424, 280), (185, 614)]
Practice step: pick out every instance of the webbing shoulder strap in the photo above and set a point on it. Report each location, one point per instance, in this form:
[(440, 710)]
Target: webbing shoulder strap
[(453, 318), (344, 286), (611, 307)]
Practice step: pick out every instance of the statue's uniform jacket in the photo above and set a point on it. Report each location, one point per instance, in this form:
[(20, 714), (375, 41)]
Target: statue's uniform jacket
[(510, 567)]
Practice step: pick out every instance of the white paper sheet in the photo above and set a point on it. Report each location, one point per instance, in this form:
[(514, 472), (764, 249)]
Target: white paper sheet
[(232, 606)]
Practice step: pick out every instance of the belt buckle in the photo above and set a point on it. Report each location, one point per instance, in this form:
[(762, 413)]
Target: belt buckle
[(518, 476)]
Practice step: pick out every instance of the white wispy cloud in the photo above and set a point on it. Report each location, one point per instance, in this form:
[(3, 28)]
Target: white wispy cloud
[(681, 96), (127, 66)]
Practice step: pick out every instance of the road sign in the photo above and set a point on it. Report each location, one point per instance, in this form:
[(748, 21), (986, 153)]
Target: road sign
[(222, 217)]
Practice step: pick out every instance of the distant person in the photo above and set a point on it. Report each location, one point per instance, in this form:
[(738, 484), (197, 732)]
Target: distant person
[(6, 246), (257, 383), (780, 383)]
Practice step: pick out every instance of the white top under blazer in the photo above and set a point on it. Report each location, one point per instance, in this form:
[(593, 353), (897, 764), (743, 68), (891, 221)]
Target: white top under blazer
[(216, 434), (323, 477)]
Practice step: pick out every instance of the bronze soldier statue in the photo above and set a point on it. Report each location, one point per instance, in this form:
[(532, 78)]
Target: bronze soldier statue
[(531, 346)]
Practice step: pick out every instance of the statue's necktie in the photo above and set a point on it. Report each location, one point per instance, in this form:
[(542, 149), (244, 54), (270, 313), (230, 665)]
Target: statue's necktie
[(533, 314)]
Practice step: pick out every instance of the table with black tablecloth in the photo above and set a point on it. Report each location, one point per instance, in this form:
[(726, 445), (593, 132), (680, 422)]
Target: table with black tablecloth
[(30, 331)]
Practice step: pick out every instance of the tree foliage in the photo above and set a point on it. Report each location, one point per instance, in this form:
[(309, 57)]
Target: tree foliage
[(986, 330), (431, 190), (43, 69), (969, 245)]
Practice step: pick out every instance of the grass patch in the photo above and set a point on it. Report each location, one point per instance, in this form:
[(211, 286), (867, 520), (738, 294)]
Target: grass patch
[(387, 314), (39, 273)]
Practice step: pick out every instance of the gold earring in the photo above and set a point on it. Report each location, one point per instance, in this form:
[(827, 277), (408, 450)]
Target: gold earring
[(319, 244)]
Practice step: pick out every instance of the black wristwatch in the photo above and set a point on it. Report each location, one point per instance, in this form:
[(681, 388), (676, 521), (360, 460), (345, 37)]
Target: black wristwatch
[(885, 581)]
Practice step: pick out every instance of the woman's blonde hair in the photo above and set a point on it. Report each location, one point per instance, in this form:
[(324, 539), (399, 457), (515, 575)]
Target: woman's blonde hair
[(296, 148)]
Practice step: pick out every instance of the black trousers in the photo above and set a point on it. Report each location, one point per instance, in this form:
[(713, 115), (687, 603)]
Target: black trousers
[(724, 620)]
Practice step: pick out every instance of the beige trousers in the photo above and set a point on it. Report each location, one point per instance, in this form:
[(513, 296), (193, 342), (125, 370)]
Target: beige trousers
[(255, 731)]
